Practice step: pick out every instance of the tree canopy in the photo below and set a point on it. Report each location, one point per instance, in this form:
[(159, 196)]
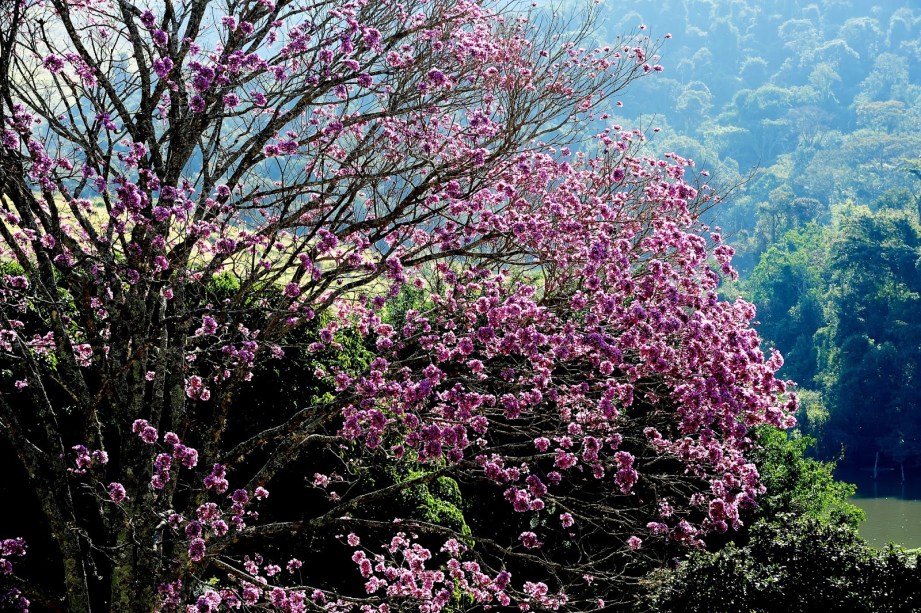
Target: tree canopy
[(286, 285)]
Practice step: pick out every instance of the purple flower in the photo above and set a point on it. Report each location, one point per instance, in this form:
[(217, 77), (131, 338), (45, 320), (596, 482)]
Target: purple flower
[(187, 455), (436, 77), (258, 98), (216, 479), (53, 63), (193, 529), (345, 44), (529, 540), (225, 245), (162, 67), (13, 547), (208, 325), (197, 549), (117, 492), (83, 459), (657, 527), (203, 79), (465, 346), (372, 36), (148, 19), (10, 139), (161, 213), (148, 435), (197, 104), (163, 462)]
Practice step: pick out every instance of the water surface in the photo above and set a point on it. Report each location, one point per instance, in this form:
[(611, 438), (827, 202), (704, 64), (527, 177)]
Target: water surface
[(893, 508)]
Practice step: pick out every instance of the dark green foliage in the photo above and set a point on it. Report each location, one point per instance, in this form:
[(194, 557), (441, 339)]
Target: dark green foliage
[(841, 303), (437, 501), (801, 553), (869, 351), (786, 286), (793, 564)]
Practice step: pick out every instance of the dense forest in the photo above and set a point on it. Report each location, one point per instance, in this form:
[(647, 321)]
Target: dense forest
[(812, 111)]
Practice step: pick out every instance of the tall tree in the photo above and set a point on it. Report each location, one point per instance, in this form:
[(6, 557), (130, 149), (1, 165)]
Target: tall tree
[(192, 190)]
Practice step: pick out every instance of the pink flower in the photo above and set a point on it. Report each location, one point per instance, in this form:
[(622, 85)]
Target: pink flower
[(436, 77), (163, 66), (529, 540), (53, 63), (197, 104), (148, 434), (116, 492), (197, 549)]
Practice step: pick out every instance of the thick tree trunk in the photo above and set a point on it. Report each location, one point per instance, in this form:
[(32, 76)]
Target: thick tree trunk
[(132, 577), (75, 576)]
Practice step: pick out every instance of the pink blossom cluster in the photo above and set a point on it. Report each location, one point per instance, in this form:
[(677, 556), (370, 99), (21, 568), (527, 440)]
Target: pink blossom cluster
[(12, 599), (186, 456), (638, 319), (256, 591), (10, 548), (86, 459), (400, 572)]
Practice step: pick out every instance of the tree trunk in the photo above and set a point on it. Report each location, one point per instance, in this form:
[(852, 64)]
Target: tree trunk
[(134, 574)]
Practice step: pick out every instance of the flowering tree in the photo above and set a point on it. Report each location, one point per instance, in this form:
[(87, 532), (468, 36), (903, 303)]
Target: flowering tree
[(195, 191)]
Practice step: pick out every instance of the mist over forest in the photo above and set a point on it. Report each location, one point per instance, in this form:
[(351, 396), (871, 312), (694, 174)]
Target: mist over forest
[(813, 109)]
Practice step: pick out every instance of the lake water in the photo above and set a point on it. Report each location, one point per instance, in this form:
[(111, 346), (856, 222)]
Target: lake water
[(893, 508)]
